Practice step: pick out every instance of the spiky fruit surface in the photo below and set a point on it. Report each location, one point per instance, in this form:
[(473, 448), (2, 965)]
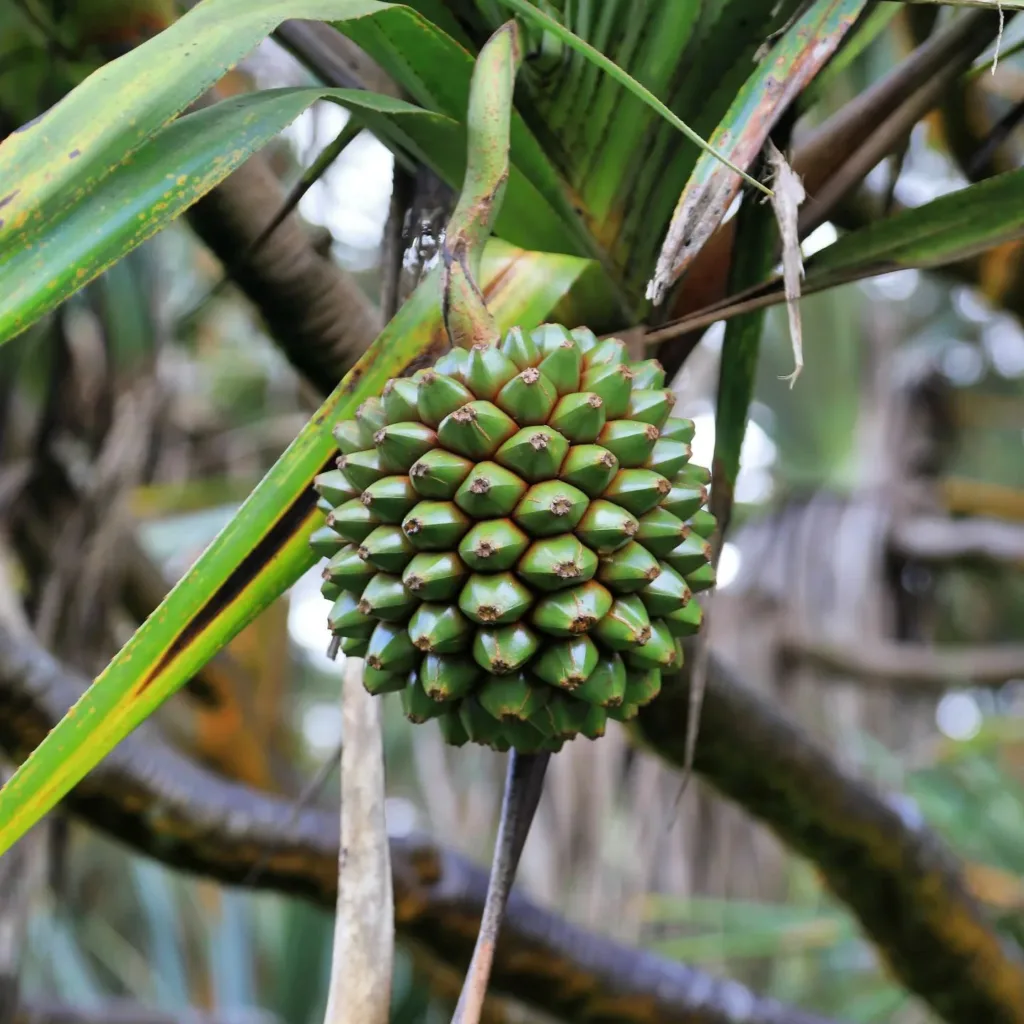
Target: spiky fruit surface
[(518, 534)]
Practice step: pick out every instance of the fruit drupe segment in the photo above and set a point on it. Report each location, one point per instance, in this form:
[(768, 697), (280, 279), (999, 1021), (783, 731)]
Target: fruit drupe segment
[(515, 537)]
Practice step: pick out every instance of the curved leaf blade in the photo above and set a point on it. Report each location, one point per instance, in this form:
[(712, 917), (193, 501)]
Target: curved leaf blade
[(627, 81), (793, 62), (946, 230), (952, 227), (98, 125), (263, 550), (54, 256)]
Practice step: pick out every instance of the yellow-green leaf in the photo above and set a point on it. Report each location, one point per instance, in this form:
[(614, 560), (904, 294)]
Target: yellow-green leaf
[(263, 550), (57, 252)]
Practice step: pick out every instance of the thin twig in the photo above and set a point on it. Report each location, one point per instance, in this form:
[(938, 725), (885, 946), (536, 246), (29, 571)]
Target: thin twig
[(305, 798), (524, 782), (999, 38), (941, 539), (1000, 132), (317, 313), (310, 176), (910, 664)]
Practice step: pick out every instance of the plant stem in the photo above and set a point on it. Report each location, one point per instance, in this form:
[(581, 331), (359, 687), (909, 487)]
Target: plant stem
[(523, 784), (466, 317)]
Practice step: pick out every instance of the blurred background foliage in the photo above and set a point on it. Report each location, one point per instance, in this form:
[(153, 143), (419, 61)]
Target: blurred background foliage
[(160, 394)]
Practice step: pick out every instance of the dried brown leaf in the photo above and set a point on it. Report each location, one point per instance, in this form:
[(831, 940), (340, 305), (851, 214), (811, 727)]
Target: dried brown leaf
[(787, 196)]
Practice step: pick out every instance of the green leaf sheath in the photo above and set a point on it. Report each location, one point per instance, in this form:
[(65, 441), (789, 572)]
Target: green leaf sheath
[(264, 548), (490, 110)]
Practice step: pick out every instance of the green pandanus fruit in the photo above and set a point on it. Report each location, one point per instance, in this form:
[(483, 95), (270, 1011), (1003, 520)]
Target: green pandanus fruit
[(515, 538)]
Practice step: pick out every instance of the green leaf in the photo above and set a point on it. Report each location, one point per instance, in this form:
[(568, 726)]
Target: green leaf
[(301, 956), (624, 164), (951, 228), (756, 236), (595, 154), (609, 67), (263, 550), (793, 62), (57, 251), (54, 255), (47, 165)]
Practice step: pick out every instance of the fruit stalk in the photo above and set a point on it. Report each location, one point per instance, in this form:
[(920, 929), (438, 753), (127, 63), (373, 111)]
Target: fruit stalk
[(523, 784), (466, 317)]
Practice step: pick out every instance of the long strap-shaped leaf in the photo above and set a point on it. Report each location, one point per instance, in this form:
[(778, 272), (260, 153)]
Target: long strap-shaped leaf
[(98, 126), (80, 199), (793, 62), (53, 256), (946, 230), (263, 550)]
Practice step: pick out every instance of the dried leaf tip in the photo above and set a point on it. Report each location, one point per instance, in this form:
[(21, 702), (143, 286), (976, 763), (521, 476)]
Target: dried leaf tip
[(787, 196)]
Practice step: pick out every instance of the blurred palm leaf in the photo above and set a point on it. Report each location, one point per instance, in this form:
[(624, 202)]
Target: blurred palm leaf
[(158, 903), (815, 951), (179, 944)]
